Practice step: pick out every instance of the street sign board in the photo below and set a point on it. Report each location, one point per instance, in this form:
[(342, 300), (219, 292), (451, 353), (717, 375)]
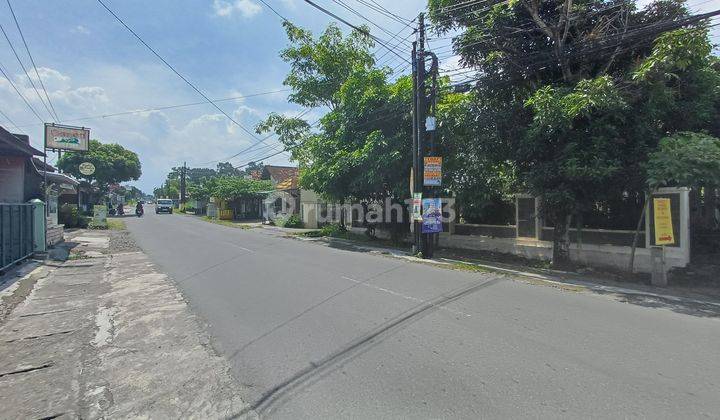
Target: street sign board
[(62, 137), (431, 215), (663, 222), (86, 168), (430, 123), (432, 174), (417, 207)]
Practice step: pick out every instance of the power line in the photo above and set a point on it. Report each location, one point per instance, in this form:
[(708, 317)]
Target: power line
[(17, 24), (384, 11), (395, 46), (11, 122), (274, 11), (25, 70), (2, 70), (357, 28), (301, 114), (162, 108), (361, 16), (195, 88)]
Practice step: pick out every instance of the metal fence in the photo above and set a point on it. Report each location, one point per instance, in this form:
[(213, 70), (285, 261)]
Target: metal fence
[(16, 233)]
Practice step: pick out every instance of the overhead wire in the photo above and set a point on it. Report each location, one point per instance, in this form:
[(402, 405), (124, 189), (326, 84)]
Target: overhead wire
[(274, 11), (372, 4), (357, 28), (301, 114), (32, 60), (2, 70), (635, 29), (177, 73), (11, 122), (166, 107), (361, 16), (27, 74)]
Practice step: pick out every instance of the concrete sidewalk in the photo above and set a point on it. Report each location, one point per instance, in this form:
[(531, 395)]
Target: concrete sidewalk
[(109, 336)]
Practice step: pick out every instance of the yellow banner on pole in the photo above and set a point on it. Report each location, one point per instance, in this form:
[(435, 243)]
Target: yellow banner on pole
[(663, 222)]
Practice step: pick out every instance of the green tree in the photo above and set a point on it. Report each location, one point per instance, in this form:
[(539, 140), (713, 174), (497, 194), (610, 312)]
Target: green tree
[(229, 188), (113, 164), (252, 167), (685, 159), (226, 169), (561, 100), (319, 67), (361, 147)]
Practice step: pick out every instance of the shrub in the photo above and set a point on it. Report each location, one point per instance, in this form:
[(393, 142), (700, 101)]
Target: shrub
[(68, 215), (333, 230), (292, 221)]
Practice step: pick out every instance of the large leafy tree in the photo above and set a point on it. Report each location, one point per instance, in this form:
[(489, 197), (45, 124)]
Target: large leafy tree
[(320, 66), (113, 164), (229, 188), (562, 100), (361, 147)]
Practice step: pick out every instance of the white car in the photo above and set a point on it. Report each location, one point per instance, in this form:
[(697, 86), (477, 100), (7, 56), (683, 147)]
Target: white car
[(164, 205)]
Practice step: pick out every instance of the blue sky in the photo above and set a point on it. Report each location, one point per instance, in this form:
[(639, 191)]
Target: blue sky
[(93, 66)]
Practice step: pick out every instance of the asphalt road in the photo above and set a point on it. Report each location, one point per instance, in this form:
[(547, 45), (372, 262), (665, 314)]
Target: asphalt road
[(320, 332)]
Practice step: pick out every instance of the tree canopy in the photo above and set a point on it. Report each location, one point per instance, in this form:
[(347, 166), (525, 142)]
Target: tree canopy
[(685, 159), (360, 149), (113, 164), (571, 97)]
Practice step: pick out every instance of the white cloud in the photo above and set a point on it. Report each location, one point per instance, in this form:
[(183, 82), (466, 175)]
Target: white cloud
[(247, 8), (79, 29), (290, 4), (162, 139)]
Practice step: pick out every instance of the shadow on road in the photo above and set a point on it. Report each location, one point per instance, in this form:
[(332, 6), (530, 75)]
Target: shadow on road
[(684, 306), (322, 368)]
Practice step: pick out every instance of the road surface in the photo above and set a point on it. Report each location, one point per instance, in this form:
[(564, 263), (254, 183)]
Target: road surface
[(319, 332)]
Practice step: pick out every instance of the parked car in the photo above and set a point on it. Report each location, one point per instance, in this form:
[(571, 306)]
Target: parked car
[(164, 205)]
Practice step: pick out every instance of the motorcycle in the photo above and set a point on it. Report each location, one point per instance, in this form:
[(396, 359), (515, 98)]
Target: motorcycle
[(139, 212)]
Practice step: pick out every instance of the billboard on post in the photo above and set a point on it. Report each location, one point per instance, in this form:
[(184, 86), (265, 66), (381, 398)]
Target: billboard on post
[(664, 234), (63, 137), (431, 215), (432, 176)]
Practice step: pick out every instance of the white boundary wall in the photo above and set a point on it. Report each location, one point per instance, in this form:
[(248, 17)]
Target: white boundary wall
[(613, 256)]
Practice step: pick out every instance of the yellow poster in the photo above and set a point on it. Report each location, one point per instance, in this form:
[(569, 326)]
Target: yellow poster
[(663, 222)]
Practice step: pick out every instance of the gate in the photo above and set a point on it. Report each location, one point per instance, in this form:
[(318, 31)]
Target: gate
[(16, 233)]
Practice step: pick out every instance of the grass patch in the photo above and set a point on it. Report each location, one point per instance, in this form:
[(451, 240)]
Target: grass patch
[(115, 224), (470, 267), (228, 223), (74, 256), (334, 231)]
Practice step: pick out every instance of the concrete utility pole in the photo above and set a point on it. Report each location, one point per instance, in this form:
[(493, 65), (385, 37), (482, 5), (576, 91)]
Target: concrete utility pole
[(424, 242), (415, 148), (182, 184)]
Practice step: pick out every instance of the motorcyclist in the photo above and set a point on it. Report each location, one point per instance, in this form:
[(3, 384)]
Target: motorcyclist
[(120, 209), (139, 209)]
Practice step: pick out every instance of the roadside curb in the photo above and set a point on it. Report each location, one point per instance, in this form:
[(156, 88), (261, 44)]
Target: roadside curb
[(549, 279)]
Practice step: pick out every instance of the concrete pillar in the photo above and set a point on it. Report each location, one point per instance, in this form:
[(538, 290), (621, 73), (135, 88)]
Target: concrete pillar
[(659, 269), (39, 226)]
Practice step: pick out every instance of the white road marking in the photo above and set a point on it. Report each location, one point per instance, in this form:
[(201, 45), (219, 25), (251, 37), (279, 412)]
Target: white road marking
[(241, 247), (400, 295)]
